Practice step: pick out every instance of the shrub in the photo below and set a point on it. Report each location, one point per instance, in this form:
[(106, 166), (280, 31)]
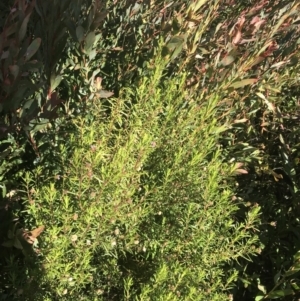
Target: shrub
[(226, 92), (141, 209)]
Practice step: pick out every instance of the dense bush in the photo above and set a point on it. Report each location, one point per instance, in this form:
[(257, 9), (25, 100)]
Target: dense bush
[(156, 192), (138, 207)]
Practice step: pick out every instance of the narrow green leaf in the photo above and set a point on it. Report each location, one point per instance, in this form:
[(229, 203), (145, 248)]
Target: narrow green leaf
[(23, 27), (297, 256), (295, 286), (262, 288), (32, 48), (277, 277), (80, 33), (281, 139), (176, 52), (37, 126), (175, 42), (11, 29), (198, 4), (3, 185), (281, 21), (259, 297), (294, 269), (280, 293), (54, 81), (92, 54), (29, 108), (89, 42), (243, 83), (174, 46)]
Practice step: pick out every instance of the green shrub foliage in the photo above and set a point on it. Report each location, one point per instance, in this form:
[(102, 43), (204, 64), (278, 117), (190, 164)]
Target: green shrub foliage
[(142, 209), (149, 149)]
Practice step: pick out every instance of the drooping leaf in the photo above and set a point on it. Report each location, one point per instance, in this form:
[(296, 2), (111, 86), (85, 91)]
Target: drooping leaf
[(259, 297), (267, 102), (92, 54), (297, 256), (280, 293), (174, 47), (32, 48), (175, 42), (198, 4), (282, 19), (295, 286), (10, 30), (277, 277), (295, 269), (243, 83), (262, 288), (55, 80), (89, 42), (176, 52), (30, 109), (23, 27), (80, 33), (36, 126)]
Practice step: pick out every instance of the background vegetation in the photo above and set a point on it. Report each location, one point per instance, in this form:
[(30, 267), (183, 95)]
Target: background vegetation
[(149, 150)]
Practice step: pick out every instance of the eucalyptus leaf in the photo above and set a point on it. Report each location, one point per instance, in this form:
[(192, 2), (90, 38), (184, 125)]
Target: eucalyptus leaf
[(243, 83), (36, 126), (55, 80), (175, 43), (297, 256), (80, 33), (23, 28), (262, 288), (259, 297), (280, 293), (32, 48), (89, 42), (92, 54)]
